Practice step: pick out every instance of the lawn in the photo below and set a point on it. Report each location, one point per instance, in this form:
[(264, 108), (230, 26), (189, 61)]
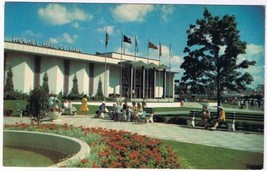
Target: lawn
[(20, 104), (194, 156)]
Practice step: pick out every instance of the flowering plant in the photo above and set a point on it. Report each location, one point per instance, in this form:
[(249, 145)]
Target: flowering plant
[(112, 148)]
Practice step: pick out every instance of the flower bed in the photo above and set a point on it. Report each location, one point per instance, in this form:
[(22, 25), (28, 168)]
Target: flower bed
[(112, 148)]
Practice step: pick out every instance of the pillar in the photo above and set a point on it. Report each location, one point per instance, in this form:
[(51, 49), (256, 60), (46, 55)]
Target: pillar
[(37, 70), (66, 76)]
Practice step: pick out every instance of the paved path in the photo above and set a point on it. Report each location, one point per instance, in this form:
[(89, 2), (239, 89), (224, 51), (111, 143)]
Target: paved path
[(232, 140)]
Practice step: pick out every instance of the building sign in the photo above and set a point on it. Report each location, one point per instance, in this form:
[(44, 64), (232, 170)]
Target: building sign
[(45, 45)]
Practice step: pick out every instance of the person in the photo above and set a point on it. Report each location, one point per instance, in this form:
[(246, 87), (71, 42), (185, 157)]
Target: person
[(112, 112), (134, 111), (84, 107), (118, 113), (101, 110), (67, 105), (242, 104), (126, 112), (144, 104), (205, 115), (51, 101), (219, 118), (72, 109), (139, 111), (55, 107)]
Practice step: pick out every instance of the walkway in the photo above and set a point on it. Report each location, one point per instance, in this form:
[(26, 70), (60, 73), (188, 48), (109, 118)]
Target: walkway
[(232, 140)]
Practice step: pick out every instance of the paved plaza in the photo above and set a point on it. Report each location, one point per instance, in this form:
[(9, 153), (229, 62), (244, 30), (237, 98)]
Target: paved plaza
[(228, 139)]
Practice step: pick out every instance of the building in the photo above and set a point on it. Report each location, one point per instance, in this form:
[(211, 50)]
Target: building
[(126, 75)]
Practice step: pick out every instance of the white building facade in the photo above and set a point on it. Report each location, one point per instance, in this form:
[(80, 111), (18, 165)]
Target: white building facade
[(124, 75)]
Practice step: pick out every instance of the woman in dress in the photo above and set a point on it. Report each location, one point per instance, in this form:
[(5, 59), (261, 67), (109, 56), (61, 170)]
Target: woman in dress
[(84, 107)]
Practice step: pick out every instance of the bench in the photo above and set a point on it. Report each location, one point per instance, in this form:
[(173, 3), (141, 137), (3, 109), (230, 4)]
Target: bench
[(149, 112), (231, 118)]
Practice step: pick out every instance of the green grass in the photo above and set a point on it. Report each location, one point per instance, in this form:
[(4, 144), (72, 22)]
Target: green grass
[(169, 109), (194, 156), (15, 104)]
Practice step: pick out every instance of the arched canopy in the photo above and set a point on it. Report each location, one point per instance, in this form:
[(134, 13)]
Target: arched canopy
[(139, 64)]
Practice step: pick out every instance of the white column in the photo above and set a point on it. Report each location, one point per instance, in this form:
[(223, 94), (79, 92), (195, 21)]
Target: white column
[(131, 82), (164, 83), (144, 81), (155, 83)]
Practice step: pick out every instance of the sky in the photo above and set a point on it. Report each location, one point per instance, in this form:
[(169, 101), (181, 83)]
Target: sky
[(83, 25)]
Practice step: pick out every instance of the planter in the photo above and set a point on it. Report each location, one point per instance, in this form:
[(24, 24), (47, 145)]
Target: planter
[(73, 148)]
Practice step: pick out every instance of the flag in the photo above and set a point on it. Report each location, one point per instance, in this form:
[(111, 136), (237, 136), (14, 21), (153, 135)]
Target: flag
[(160, 52), (136, 45), (107, 39), (127, 39), (151, 45)]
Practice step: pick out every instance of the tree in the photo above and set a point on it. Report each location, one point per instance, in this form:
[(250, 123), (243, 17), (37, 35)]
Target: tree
[(74, 94), (9, 86), (45, 83), (99, 93), (75, 89), (38, 102), (213, 48)]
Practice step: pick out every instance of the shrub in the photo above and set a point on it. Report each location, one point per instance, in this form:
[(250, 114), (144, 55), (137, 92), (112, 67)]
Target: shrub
[(9, 86), (38, 102), (8, 112), (99, 94)]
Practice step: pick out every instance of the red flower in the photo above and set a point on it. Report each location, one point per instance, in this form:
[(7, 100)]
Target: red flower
[(83, 161)]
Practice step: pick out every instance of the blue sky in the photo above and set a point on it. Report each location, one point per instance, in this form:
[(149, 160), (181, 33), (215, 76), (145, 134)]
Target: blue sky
[(82, 25)]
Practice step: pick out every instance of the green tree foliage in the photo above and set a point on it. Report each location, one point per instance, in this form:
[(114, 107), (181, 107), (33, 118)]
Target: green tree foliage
[(38, 101), (45, 83), (75, 89), (9, 86), (74, 94), (213, 48), (99, 93)]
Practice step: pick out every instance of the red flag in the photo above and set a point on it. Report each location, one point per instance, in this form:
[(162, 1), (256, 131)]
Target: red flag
[(152, 46)]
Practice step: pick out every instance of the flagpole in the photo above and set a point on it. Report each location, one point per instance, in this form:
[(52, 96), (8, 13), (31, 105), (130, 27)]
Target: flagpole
[(105, 73), (135, 52), (169, 70), (147, 92), (121, 64), (159, 69)]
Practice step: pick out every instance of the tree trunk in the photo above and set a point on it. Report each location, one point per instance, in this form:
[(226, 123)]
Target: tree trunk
[(218, 79)]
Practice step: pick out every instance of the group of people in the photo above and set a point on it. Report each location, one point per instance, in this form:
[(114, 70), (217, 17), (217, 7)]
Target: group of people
[(126, 112), (213, 122), (122, 112), (54, 105)]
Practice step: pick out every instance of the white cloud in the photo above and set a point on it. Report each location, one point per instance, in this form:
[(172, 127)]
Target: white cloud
[(76, 25), (29, 34), (56, 14), (174, 61), (128, 49), (253, 49), (131, 13), (64, 38), (67, 38), (253, 52), (53, 40), (110, 29), (166, 11)]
